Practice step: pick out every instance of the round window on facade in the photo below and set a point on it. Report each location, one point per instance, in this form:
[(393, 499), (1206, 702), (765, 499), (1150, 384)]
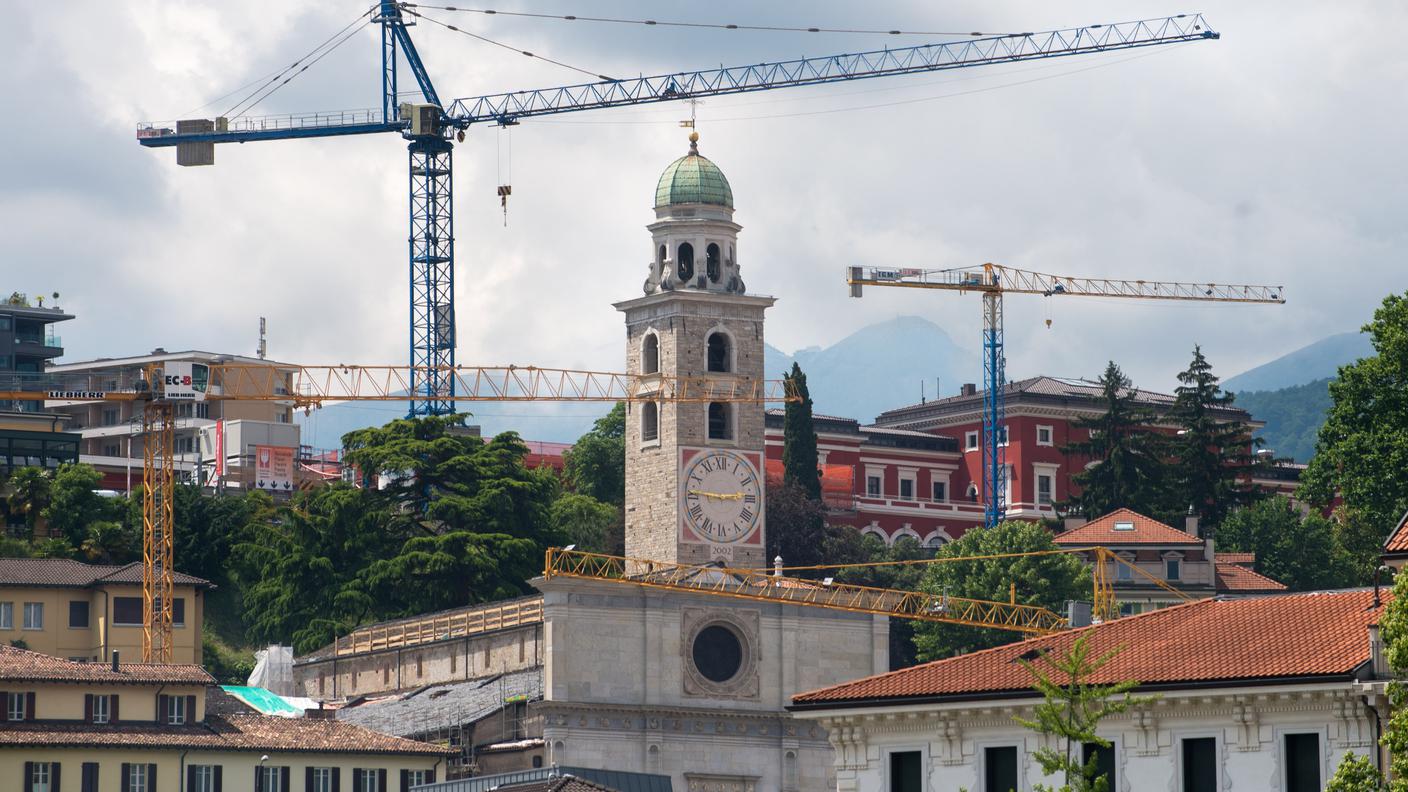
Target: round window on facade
[(718, 653)]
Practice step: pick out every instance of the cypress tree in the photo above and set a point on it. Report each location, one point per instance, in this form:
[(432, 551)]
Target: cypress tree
[(799, 457), (1212, 456)]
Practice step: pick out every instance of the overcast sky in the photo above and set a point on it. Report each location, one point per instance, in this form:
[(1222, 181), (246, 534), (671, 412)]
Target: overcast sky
[(1274, 155)]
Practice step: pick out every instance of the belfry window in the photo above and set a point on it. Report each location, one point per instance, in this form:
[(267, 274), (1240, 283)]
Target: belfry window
[(713, 263), (718, 352), (660, 260), (684, 262), (720, 421), (650, 354), (649, 422)]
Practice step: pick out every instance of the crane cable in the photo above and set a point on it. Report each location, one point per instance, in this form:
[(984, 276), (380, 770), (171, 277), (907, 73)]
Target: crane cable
[(255, 97), (707, 25), (508, 47)]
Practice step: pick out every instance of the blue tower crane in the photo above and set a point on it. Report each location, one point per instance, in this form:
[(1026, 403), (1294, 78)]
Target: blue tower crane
[(431, 126)]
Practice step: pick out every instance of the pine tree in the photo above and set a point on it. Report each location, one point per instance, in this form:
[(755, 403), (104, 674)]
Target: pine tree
[(1212, 455), (799, 457), (1128, 472)]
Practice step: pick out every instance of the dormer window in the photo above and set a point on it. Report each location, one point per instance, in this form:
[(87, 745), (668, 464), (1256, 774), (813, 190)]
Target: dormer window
[(1124, 525), (684, 262), (713, 263), (1173, 568)]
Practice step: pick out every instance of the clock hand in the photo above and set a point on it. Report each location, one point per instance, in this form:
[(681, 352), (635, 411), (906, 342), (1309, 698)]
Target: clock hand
[(718, 495)]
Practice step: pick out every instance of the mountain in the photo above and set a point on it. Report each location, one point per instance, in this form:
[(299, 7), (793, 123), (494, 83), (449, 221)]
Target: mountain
[(879, 367), (1293, 416), (1320, 360)]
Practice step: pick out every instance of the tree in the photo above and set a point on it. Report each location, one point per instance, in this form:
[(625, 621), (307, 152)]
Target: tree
[(1356, 774), (1393, 623), (1071, 711), (1212, 455), (799, 457), (1127, 471), (584, 521), (1046, 581), (797, 530), (1362, 449), (29, 489), (596, 463), (74, 503), (901, 577), (1303, 552)]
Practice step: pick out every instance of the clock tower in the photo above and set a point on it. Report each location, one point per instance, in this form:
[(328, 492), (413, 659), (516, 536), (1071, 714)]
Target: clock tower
[(695, 471)]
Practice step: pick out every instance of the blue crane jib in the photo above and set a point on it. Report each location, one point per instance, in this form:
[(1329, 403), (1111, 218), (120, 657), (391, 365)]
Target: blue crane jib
[(431, 126)]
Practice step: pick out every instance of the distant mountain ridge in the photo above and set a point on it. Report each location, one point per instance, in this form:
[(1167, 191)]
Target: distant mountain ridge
[(1320, 360), (1293, 417)]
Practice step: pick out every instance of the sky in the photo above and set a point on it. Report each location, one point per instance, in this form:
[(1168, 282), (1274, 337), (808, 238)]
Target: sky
[(1272, 156)]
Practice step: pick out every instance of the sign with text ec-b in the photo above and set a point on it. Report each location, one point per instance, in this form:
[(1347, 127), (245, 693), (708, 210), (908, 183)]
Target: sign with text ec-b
[(185, 381)]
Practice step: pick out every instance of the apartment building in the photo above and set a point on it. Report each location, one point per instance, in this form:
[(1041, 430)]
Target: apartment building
[(27, 343)]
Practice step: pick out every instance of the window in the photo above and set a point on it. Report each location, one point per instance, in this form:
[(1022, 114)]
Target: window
[(684, 262), (650, 354), (1123, 572), (970, 441), (139, 777), (1000, 768), (973, 493), (368, 780), (1002, 435), (940, 491), (43, 776), (15, 706), (185, 445), (111, 416), (649, 422), (271, 779), (1129, 608), (319, 779), (78, 614), (718, 352), (872, 486), (720, 421), (1302, 761), (1124, 525), (906, 771), (1200, 764), (7, 615), (1043, 490), (418, 777), (1173, 569), (907, 488), (660, 255), (101, 709), (127, 611), (203, 778), (176, 710), (34, 615), (112, 449), (1104, 756), (178, 611), (713, 262), (1043, 436)]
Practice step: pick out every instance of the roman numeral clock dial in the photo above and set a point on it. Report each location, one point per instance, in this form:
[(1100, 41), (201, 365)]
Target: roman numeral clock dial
[(722, 496)]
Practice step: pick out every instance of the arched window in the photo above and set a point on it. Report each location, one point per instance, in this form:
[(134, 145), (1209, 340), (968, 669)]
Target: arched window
[(684, 262), (649, 422), (713, 263), (650, 354), (718, 352), (720, 421)]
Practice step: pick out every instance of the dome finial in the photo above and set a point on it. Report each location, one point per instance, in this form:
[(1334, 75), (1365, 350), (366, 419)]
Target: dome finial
[(694, 142)]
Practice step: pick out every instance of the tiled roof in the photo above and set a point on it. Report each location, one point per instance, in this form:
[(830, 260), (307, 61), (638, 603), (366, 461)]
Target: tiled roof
[(1234, 577), (565, 783), (1146, 531), (1240, 559), (22, 665), (444, 705), (219, 732), (1397, 541), (67, 573), (1277, 637)]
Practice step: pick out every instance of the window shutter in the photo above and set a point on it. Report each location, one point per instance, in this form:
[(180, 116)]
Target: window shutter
[(87, 707), (90, 777), (430, 776), (190, 777), (357, 779), (283, 779), (190, 709), (308, 779), (112, 708), (29, 777), (219, 778), (161, 710), (337, 779), (29, 706), (380, 780), (405, 781), (4, 706), (151, 776), (126, 777), (259, 778), (54, 776)]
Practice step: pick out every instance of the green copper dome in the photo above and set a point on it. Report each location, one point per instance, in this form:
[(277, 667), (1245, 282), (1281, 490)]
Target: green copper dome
[(693, 179)]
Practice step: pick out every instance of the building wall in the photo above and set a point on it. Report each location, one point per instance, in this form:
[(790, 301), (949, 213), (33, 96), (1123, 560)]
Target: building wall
[(136, 703), (1249, 725), (57, 638)]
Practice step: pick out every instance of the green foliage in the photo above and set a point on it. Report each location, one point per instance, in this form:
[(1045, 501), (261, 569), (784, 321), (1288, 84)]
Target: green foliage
[(596, 463), (1393, 624), (1211, 456), (1356, 773), (1293, 416), (74, 504), (798, 531), (799, 456), (1129, 472), (584, 521), (908, 577), (110, 542), (1072, 710), (1046, 581), (228, 666), (1362, 449), (28, 495), (1305, 553), (52, 547)]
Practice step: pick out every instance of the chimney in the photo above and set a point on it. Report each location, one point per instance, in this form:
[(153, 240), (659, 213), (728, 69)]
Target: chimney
[(968, 389), (1190, 523), (1378, 662), (1078, 614), (115, 653), (1072, 523), (777, 567)]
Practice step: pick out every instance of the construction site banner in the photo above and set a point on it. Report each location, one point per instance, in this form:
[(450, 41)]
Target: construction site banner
[(185, 381), (273, 468)]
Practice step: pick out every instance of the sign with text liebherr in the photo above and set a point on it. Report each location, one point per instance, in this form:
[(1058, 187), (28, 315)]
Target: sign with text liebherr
[(273, 468)]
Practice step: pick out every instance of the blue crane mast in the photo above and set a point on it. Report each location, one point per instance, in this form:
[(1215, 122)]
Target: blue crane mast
[(432, 126)]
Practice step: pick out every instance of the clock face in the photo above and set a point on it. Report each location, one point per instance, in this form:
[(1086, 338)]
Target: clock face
[(722, 496)]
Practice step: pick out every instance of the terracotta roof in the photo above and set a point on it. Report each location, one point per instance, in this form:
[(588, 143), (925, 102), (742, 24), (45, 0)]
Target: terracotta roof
[(1397, 541), (67, 573), (219, 732), (1258, 639), (1145, 531), (1240, 559), (567, 783), (1235, 577), (22, 665)]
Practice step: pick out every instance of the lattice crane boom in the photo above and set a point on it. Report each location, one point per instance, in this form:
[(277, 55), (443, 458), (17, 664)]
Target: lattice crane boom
[(992, 281)]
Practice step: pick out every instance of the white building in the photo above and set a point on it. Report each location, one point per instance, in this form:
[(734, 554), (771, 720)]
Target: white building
[(1263, 694)]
